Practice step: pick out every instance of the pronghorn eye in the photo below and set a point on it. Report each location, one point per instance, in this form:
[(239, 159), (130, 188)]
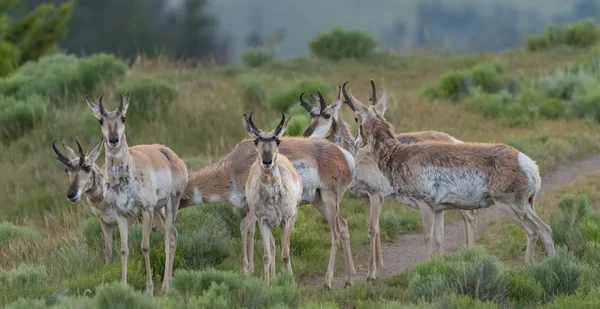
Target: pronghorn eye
[(100, 121), (278, 142), (256, 142), (327, 116), (123, 118), (87, 169)]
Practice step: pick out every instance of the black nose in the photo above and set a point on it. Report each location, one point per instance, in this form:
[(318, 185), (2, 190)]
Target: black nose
[(267, 162), (113, 140), (71, 195)]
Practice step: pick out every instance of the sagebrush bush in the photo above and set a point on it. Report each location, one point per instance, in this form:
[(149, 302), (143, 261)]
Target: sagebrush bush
[(563, 83), (99, 69), (470, 271), (148, 96), (587, 301), (392, 224), (58, 76), (284, 97), (523, 288), (566, 224), (118, 296), (558, 274), (339, 44), (255, 57), (592, 252), (23, 275), (586, 102), (254, 95), (235, 290), (9, 231), (582, 33), (455, 301), (487, 77), (18, 116), (27, 303)]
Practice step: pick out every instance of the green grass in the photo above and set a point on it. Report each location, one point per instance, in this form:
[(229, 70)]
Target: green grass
[(197, 113)]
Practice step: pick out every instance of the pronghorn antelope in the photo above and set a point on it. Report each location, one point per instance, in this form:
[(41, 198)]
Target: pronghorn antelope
[(436, 176), (87, 178), (273, 192), (324, 168), (139, 181), (369, 183)]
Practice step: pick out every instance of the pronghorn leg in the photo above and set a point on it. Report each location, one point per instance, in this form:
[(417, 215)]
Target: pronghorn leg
[(520, 217), (543, 230), (375, 203), (427, 217), (123, 226), (273, 252), (331, 215), (170, 239), (285, 243), (146, 229), (107, 231), (438, 229), (248, 224), (469, 218), (265, 235), (333, 200), (159, 221)]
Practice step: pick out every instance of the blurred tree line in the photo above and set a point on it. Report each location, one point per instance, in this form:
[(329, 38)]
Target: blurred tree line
[(131, 27)]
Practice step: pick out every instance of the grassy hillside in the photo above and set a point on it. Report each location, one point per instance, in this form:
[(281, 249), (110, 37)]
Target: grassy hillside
[(201, 120)]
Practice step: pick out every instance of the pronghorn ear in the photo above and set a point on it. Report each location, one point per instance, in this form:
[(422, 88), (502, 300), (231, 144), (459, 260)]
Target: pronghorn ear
[(250, 127), (70, 152), (337, 103), (382, 104), (94, 108), (124, 104), (282, 126), (94, 153)]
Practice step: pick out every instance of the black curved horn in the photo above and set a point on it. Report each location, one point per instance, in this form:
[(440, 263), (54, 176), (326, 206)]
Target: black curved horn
[(373, 98), (280, 125), (305, 104), (81, 154), (322, 100), (121, 103), (102, 110), (60, 157), (347, 98)]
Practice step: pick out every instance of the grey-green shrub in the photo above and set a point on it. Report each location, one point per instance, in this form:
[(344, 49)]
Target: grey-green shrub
[(523, 288), (148, 96), (559, 273), (582, 33), (284, 97), (23, 275), (9, 231), (27, 303), (586, 102), (455, 301), (470, 271), (587, 301), (118, 296), (339, 44), (228, 288), (392, 224), (18, 116), (566, 224), (99, 69), (255, 57), (254, 95)]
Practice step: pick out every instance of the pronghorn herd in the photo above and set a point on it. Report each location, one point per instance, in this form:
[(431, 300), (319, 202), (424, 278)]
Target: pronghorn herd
[(272, 175)]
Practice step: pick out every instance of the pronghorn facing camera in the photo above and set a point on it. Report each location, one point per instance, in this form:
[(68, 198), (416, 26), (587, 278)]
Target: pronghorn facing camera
[(436, 176), (140, 180), (325, 170), (369, 184), (273, 192), (87, 178)]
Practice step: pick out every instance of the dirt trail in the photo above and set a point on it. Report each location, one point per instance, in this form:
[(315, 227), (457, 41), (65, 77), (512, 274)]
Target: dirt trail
[(408, 249)]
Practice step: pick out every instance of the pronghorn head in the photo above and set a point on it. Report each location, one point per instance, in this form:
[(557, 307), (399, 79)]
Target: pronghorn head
[(370, 122), (322, 118), (79, 167), (267, 144), (113, 123)]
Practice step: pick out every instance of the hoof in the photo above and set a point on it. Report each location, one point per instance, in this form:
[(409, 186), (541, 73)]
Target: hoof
[(371, 278), (348, 284), (327, 287)]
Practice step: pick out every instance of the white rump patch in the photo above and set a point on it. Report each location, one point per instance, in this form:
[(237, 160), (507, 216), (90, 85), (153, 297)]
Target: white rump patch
[(349, 158), (198, 197), (530, 168)]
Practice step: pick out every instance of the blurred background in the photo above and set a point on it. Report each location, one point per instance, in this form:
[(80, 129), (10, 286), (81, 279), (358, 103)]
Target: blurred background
[(222, 30)]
